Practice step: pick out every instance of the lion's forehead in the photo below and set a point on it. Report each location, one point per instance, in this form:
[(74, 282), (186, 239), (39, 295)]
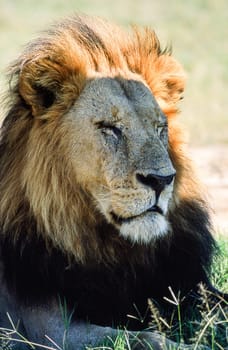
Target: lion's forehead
[(118, 99)]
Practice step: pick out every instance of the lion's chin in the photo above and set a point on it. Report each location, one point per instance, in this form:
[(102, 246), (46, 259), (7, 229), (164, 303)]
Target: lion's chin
[(145, 228)]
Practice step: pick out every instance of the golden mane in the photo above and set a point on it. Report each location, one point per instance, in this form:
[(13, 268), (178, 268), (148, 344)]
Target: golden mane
[(33, 171), (70, 52)]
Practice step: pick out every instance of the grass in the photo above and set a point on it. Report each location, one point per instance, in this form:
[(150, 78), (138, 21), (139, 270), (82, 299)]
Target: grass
[(197, 29), (210, 330), (220, 267)]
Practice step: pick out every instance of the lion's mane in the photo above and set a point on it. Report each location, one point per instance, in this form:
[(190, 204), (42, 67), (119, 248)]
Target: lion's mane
[(43, 209)]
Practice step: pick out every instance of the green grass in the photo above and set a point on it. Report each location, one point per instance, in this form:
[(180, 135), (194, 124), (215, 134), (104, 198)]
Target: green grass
[(220, 267), (197, 29)]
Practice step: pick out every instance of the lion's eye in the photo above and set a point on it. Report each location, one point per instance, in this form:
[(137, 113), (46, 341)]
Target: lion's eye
[(109, 129), (162, 131)]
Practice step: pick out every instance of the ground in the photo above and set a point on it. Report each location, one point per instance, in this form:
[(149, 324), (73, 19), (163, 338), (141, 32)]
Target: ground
[(212, 166)]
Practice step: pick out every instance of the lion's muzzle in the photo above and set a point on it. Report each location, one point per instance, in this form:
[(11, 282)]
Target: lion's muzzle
[(142, 218)]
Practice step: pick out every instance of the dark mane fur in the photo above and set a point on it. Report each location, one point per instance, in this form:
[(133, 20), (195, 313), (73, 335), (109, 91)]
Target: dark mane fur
[(181, 262)]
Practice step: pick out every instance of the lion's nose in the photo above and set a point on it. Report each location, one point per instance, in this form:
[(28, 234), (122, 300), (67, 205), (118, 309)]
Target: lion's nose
[(156, 182)]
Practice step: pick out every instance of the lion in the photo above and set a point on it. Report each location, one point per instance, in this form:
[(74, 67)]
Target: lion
[(99, 204)]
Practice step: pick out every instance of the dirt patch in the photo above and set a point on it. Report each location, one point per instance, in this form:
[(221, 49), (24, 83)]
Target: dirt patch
[(212, 166)]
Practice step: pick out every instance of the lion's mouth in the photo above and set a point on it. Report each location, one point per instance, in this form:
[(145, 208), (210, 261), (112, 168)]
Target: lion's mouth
[(120, 220)]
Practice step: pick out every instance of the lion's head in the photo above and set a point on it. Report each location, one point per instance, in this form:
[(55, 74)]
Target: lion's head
[(90, 137)]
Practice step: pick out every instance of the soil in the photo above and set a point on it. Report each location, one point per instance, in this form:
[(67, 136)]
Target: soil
[(212, 167)]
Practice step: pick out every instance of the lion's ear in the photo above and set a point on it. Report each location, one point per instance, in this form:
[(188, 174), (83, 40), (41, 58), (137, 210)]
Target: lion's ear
[(39, 83), (44, 82)]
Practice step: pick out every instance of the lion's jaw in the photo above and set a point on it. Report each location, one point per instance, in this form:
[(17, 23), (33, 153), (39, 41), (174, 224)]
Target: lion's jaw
[(138, 215)]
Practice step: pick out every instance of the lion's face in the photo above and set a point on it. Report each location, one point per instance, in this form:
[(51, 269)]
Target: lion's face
[(118, 146), (86, 139)]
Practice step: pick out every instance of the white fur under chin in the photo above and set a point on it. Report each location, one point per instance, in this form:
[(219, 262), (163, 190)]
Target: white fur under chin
[(145, 229)]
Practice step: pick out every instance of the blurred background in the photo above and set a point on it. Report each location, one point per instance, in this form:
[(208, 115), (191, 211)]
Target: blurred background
[(198, 33)]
